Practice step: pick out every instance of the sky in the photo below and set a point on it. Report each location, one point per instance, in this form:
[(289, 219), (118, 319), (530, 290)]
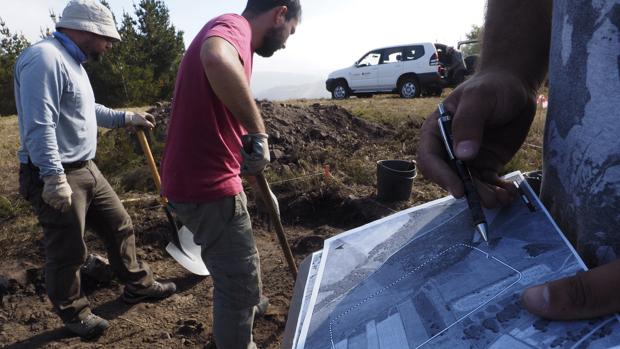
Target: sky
[(332, 35)]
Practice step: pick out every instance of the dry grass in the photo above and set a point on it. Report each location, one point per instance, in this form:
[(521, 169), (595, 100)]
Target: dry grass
[(529, 157), (9, 143), (389, 109), (16, 219)]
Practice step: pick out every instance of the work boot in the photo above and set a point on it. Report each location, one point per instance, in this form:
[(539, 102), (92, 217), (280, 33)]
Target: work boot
[(157, 291), (90, 327)]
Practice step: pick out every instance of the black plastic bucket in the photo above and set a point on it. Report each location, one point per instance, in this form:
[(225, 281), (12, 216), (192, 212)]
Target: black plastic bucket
[(395, 179)]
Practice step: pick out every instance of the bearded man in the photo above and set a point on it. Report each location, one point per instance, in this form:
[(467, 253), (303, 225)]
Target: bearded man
[(58, 119), (213, 108)]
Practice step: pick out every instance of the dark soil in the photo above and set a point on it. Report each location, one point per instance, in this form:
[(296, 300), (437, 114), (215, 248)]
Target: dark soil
[(320, 204)]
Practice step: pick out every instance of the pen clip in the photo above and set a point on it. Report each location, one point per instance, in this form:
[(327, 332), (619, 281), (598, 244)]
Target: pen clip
[(526, 200), (445, 124)]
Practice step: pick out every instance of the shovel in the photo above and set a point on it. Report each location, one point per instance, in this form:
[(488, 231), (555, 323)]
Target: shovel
[(181, 246), (263, 188)]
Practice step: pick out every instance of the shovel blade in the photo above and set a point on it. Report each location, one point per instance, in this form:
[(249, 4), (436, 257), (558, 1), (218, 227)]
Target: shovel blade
[(191, 259)]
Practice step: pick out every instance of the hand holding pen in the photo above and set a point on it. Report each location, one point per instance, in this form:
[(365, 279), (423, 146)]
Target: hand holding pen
[(471, 194), (490, 122)]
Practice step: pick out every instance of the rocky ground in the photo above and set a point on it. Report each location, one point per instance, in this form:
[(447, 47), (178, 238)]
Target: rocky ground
[(323, 172)]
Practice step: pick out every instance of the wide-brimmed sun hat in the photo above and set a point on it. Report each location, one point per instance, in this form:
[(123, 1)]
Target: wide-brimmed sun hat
[(90, 16)]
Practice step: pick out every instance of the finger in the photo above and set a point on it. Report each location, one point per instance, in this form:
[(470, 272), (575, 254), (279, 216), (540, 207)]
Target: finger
[(488, 194), (586, 295), (498, 193), (150, 118), (470, 116), (431, 159)]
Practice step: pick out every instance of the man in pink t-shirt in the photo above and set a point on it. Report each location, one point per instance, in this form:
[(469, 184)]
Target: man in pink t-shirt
[(212, 109)]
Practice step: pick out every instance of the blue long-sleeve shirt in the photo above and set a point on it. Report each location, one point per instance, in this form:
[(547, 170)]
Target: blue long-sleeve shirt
[(57, 113)]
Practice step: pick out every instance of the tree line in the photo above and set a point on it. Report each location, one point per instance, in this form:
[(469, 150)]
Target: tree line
[(138, 71)]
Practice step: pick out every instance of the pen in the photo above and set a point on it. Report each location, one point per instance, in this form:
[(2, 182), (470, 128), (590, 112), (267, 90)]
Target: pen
[(473, 199), (524, 197)]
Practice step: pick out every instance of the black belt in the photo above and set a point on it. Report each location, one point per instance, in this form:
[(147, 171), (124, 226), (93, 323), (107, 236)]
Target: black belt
[(74, 165), (66, 165)]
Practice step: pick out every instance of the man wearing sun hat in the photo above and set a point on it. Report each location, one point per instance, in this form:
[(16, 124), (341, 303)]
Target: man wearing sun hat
[(58, 119)]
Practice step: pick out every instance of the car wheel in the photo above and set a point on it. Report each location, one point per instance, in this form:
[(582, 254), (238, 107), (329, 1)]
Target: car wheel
[(341, 90), (409, 88)]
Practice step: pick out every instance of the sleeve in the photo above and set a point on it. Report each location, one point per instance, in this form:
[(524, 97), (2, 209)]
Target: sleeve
[(228, 28), (109, 118), (41, 84)]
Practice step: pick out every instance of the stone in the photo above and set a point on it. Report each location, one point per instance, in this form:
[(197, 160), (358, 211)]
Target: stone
[(189, 327), (277, 154)]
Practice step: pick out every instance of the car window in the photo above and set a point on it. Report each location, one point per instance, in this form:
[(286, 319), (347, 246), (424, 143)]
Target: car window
[(413, 52), (392, 55), (371, 58)]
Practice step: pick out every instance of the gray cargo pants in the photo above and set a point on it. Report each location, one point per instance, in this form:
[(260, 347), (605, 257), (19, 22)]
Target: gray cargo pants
[(224, 232), (94, 203)]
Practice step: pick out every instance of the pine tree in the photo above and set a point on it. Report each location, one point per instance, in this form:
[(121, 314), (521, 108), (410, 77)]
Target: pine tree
[(161, 44), (142, 68), (11, 46)]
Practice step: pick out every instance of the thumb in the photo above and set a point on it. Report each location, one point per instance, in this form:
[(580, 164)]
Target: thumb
[(469, 121), (586, 295)]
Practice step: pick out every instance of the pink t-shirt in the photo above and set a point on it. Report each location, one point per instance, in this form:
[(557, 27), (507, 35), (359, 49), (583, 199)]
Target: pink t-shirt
[(201, 161)]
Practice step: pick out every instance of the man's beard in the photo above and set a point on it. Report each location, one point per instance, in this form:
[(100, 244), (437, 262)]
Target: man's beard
[(95, 57), (273, 41), (92, 54)]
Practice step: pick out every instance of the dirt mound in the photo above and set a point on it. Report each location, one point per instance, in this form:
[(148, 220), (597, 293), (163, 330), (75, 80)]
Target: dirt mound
[(293, 130)]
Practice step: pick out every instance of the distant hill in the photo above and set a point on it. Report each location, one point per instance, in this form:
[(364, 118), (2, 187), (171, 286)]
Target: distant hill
[(281, 86)]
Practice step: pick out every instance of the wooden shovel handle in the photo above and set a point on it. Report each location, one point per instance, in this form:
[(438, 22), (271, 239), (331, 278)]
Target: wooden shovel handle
[(146, 149), (263, 187)]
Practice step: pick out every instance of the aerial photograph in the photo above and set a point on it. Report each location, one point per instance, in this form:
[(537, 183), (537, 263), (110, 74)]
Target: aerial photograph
[(445, 286)]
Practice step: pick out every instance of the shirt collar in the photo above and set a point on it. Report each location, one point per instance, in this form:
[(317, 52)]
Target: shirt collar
[(71, 47)]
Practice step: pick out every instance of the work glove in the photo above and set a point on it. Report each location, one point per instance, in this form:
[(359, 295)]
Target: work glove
[(255, 153), (57, 192), (145, 120), (263, 210)]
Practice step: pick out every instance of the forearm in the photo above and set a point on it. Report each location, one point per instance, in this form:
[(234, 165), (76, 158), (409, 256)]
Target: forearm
[(227, 78), (40, 140), (517, 37), (109, 118)]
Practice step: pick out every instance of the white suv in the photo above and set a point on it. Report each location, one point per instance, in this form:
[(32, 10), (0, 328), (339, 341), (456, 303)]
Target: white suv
[(408, 70)]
